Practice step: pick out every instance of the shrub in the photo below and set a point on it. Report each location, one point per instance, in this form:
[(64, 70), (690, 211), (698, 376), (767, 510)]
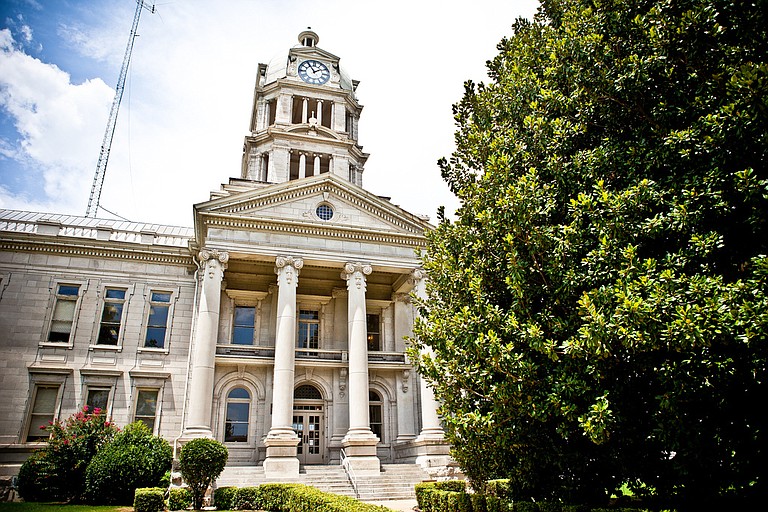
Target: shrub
[(478, 502), (179, 498), (135, 458), (248, 498), (65, 458), (149, 499), (201, 461), (452, 485), (224, 498), (37, 481), (424, 492)]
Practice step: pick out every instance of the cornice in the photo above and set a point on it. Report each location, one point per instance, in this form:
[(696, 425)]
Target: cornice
[(157, 254), (227, 220)]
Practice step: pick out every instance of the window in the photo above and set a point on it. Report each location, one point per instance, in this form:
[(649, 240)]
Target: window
[(324, 211), (374, 333), (42, 412), (146, 407), (243, 329), (238, 412), (157, 323), (374, 412), (309, 329), (97, 398), (63, 313), (111, 316)]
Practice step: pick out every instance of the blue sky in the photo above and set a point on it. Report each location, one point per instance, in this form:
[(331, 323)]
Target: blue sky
[(188, 97)]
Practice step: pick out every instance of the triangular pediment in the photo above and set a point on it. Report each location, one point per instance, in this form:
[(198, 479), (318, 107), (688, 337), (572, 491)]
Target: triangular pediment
[(294, 206), (314, 52)]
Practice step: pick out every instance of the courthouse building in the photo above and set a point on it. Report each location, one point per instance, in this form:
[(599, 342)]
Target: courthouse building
[(277, 325)]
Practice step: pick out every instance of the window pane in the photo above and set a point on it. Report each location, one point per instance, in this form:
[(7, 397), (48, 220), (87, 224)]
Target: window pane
[(115, 294), (237, 412), (65, 310), (245, 315), (112, 312), (146, 403), (45, 400), (155, 337), (68, 289), (97, 399), (161, 297), (158, 315), (239, 393), (108, 334), (309, 315), (236, 433), (242, 336)]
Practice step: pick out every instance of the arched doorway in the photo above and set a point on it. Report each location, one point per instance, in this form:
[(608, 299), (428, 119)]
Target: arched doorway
[(309, 424)]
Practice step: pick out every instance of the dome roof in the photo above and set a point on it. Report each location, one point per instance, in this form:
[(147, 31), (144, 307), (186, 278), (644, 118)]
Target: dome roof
[(277, 67)]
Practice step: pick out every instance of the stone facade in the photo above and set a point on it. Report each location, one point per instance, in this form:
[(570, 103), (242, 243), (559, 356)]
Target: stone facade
[(276, 325)]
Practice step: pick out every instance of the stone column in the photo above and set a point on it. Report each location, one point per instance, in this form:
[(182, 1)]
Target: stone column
[(432, 449), (302, 166), (359, 443), (198, 421), (281, 441)]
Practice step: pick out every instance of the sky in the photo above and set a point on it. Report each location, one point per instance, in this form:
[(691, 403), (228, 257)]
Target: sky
[(189, 91)]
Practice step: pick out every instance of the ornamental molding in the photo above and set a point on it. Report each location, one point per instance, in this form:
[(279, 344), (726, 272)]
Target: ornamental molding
[(314, 230), (157, 255), (354, 274), (287, 267)]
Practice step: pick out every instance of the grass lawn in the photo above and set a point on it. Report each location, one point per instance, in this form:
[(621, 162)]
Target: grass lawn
[(58, 507)]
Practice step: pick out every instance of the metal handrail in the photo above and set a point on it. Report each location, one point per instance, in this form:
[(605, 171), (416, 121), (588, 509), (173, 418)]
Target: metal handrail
[(350, 473)]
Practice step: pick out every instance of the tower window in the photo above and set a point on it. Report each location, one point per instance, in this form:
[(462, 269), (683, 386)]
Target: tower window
[(324, 211)]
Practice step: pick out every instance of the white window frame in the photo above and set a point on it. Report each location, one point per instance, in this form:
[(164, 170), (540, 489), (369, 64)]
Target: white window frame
[(129, 289), (148, 302), (53, 301), (158, 405), (245, 299), (100, 380), (43, 377)]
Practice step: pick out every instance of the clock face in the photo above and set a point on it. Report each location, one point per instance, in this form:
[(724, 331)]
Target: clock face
[(314, 72)]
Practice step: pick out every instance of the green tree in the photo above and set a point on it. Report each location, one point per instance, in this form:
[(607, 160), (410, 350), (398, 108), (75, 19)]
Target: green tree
[(133, 459), (201, 461), (598, 309)]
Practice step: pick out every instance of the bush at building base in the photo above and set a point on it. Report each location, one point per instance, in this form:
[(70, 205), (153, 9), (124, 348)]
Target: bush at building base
[(134, 459), (57, 471), (201, 461), (149, 499), (180, 498)]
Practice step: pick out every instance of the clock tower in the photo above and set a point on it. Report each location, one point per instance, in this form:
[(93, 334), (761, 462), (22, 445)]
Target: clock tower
[(304, 118)]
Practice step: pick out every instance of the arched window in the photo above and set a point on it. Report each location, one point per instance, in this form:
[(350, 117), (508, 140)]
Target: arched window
[(307, 392), (374, 411), (238, 414)]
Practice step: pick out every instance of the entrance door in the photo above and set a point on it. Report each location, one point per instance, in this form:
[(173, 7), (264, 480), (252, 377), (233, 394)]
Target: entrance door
[(308, 426)]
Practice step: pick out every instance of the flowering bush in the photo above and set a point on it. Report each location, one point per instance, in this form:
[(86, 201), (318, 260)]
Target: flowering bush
[(57, 471)]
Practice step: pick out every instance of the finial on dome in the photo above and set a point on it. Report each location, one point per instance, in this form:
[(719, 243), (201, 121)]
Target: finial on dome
[(309, 38)]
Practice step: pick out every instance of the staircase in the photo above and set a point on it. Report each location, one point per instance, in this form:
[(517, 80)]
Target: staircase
[(395, 482)]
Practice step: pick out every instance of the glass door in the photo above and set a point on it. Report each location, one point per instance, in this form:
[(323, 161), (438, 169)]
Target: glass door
[(308, 426)]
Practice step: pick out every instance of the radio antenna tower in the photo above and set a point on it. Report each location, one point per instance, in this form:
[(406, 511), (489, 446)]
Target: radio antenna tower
[(106, 145)]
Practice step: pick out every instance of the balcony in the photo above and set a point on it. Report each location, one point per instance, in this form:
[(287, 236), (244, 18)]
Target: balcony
[(305, 354)]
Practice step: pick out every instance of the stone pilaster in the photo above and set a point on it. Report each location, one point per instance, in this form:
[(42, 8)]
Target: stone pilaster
[(359, 443), (281, 441), (198, 420)]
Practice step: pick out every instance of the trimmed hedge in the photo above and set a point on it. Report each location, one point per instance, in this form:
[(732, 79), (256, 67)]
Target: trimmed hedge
[(179, 498), (451, 496), (224, 498), (149, 499)]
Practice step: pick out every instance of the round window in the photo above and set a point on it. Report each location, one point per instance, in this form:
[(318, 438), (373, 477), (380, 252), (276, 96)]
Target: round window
[(324, 211)]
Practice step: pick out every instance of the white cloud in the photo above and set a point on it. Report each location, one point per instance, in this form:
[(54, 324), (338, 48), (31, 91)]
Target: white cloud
[(58, 122)]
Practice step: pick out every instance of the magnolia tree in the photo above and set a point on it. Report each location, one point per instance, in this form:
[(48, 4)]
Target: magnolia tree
[(201, 461), (598, 311)]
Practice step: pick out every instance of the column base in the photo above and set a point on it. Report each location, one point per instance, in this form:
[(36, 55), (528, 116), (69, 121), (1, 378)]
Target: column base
[(281, 461), (360, 448), (191, 433)]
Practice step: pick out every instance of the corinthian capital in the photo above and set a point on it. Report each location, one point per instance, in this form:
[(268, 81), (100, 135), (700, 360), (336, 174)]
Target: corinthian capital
[(354, 274), (208, 255), (289, 267), (417, 275)]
